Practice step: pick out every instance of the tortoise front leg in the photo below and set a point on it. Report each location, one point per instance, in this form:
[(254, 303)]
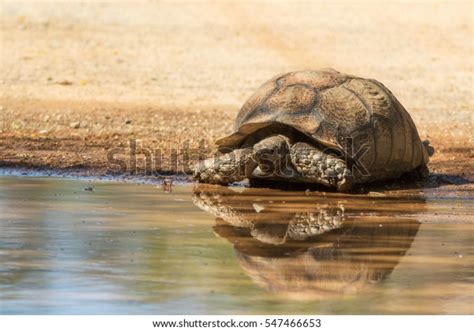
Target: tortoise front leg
[(316, 166), (227, 168)]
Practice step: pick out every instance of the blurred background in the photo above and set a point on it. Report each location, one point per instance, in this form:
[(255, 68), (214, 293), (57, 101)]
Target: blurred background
[(80, 78)]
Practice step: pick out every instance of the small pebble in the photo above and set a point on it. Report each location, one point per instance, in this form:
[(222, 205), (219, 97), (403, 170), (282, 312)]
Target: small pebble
[(376, 194), (64, 82), (258, 208)]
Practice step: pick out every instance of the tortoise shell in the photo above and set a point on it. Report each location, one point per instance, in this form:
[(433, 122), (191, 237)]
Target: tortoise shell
[(339, 111)]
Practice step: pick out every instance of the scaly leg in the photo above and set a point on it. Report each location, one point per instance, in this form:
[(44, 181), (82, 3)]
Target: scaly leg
[(228, 168), (316, 166)]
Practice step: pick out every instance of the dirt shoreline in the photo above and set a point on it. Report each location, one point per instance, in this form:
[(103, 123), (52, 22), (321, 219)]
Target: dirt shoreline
[(79, 137)]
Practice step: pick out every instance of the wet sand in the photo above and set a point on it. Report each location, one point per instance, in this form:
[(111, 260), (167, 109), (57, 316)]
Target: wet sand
[(81, 79)]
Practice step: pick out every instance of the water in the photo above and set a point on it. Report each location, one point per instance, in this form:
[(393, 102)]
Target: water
[(135, 249)]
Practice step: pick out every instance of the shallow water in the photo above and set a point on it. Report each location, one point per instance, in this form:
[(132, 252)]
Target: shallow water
[(135, 249)]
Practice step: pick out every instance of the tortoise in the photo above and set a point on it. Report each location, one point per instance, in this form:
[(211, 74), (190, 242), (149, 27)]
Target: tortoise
[(321, 127)]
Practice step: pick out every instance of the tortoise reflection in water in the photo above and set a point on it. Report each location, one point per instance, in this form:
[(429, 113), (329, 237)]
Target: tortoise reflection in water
[(310, 246)]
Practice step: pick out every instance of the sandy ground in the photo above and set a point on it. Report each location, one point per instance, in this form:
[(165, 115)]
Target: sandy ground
[(80, 80)]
